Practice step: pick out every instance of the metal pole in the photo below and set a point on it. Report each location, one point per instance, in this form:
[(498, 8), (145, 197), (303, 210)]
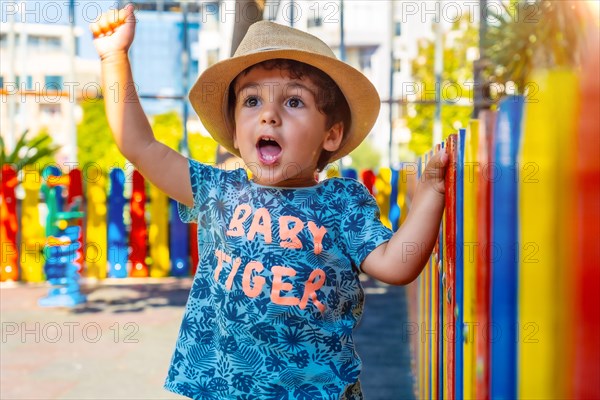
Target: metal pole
[(185, 61), (11, 106), (292, 16), (71, 140), (342, 33), (438, 69), (342, 57), (391, 87), (478, 84)]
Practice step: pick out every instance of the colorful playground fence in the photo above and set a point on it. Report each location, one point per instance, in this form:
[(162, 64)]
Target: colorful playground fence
[(508, 306), (130, 228)]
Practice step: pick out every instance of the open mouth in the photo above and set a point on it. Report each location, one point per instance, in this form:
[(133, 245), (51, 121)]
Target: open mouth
[(268, 150)]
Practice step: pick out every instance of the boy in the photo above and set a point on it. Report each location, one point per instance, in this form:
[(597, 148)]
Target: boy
[(277, 295)]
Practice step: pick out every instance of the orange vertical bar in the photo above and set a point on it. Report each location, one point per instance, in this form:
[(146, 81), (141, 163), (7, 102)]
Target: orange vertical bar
[(586, 303), (9, 267)]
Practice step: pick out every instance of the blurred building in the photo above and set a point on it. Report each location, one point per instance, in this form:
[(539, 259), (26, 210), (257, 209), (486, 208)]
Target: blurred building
[(36, 88), (164, 57)]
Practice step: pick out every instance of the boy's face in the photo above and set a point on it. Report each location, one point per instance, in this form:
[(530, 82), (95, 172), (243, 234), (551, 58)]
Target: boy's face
[(279, 130)]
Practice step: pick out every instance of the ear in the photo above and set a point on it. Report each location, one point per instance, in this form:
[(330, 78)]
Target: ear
[(334, 137)]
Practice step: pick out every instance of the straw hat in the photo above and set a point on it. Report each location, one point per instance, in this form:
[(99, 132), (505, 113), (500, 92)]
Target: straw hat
[(266, 41)]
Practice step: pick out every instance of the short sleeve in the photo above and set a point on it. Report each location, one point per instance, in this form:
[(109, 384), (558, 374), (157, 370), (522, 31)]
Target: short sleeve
[(362, 230), (203, 178)]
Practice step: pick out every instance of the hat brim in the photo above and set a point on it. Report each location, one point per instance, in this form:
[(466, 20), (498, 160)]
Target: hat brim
[(209, 95)]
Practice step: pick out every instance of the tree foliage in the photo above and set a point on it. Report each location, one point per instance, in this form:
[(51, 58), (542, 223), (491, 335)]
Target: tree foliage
[(533, 34), (95, 143), (460, 42), (38, 150), (365, 156)]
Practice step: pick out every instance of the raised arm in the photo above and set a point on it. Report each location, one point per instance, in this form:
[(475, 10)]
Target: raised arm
[(161, 165), (401, 260)]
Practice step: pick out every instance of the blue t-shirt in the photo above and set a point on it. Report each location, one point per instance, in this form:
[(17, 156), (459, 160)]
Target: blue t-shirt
[(276, 294)]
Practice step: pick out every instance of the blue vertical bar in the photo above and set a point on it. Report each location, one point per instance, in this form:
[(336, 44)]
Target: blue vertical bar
[(394, 214), (178, 243), (350, 173), (459, 279), (504, 234), (117, 237)]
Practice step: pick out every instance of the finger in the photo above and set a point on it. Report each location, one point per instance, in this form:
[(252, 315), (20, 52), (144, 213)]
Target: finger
[(127, 13), (96, 31), (104, 24), (444, 158), (113, 19)]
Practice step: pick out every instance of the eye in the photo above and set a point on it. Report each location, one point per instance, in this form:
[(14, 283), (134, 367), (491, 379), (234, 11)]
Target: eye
[(294, 102), (251, 101)]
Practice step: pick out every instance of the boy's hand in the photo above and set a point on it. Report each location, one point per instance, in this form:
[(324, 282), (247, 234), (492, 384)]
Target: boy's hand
[(435, 172), (114, 31)]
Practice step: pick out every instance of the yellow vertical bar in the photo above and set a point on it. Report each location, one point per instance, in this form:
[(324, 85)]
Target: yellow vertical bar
[(384, 190), (548, 128), (157, 233), (96, 245), (402, 191), (471, 171), (32, 231)]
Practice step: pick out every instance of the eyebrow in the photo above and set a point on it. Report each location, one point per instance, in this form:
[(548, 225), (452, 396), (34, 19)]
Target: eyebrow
[(292, 85), (301, 86)]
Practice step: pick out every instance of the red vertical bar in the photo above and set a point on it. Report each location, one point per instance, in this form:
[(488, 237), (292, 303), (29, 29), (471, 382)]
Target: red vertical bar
[(450, 263), (75, 203), (9, 268), (482, 307), (586, 323), (368, 179), (139, 232), (194, 247)]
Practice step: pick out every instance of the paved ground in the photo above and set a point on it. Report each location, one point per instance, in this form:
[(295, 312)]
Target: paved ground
[(119, 344)]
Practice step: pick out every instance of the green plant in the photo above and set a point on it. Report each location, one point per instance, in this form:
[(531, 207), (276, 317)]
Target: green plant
[(28, 151), (365, 156), (95, 144), (532, 34), (456, 85)]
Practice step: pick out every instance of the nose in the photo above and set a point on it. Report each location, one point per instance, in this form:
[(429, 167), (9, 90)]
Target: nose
[(270, 115)]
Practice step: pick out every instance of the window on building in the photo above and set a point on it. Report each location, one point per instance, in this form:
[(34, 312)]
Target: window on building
[(364, 56), (3, 40), (1, 82), (397, 65), (314, 22), (28, 83), (53, 82), (397, 29), (44, 43)]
